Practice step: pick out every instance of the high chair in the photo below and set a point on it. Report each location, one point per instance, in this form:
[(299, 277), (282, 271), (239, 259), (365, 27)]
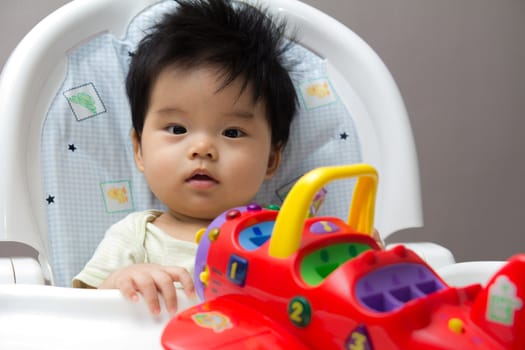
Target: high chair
[(68, 164)]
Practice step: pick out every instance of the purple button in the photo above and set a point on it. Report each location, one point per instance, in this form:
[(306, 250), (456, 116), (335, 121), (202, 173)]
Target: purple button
[(254, 207), (324, 226)]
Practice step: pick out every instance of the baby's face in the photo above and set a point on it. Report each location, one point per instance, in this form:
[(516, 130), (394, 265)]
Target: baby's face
[(204, 149)]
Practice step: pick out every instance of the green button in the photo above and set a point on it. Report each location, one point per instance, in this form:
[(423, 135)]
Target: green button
[(299, 311)]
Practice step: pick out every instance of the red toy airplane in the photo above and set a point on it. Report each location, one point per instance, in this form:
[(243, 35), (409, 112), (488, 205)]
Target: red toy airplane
[(279, 280)]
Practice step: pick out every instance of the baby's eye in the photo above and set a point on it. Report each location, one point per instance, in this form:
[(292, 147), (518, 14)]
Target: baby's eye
[(177, 129), (233, 133)]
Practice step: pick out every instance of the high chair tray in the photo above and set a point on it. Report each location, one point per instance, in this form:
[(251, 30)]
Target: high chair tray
[(36, 317)]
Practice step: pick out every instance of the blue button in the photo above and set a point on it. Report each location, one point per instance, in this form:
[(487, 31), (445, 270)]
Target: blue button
[(237, 269)]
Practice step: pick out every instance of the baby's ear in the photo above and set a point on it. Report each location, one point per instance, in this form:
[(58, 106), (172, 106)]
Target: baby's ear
[(137, 150), (273, 161)]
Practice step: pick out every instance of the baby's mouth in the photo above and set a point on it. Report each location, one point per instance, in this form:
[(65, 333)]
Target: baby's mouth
[(202, 179)]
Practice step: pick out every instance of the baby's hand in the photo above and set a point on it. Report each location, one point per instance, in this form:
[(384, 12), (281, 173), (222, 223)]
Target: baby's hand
[(150, 280)]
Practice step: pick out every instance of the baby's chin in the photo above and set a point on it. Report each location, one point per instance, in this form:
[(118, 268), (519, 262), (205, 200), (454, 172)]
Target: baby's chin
[(212, 214), (204, 216), (208, 213)]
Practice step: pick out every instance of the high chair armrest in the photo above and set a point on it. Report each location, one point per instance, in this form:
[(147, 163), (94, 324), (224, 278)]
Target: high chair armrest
[(434, 254), (469, 272), (6, 271), (20, 270)]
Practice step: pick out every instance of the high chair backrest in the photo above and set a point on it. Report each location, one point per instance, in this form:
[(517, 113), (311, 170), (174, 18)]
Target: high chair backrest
[(64, 134)]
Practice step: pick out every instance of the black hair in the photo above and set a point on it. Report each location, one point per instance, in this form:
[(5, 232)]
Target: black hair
[(241, 40)]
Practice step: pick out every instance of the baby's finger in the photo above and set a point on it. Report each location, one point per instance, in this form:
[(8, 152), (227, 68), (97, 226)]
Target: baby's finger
[(166, 288), (182, 275), (146, 286), (127, 289)]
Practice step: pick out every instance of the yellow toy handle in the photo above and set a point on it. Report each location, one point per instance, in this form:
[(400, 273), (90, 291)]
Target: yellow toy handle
[(288, 228)]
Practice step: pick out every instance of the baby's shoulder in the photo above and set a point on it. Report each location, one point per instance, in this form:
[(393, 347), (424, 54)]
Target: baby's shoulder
[(136, 221)]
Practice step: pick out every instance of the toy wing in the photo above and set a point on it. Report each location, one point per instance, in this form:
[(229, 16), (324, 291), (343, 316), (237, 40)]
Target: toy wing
[(226, 323)]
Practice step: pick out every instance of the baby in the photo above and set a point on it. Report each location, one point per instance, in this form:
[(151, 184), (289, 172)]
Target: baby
[(211, 103)]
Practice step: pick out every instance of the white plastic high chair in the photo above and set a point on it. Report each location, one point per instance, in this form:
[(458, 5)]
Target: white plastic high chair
[(47, 126)]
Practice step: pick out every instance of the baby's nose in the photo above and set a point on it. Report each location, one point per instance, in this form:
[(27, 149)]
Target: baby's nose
[(203, 148)]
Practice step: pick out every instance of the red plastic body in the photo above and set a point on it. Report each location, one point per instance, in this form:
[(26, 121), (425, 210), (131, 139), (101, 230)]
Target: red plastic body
[(376, 299)]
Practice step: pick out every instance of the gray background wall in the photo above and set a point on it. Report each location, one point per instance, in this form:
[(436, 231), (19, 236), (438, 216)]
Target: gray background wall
[(460, 68)]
